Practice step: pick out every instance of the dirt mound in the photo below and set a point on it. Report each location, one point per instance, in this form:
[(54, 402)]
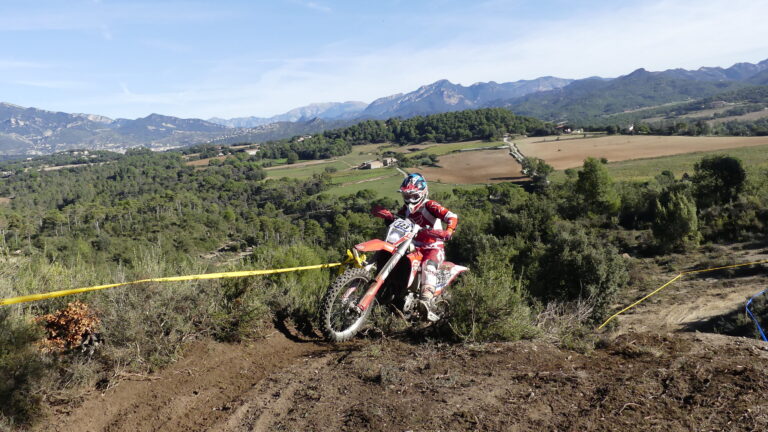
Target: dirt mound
[(192, 394), (638, 381)]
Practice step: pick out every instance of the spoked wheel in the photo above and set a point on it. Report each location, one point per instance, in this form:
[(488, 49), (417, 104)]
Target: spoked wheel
[(340, 319)]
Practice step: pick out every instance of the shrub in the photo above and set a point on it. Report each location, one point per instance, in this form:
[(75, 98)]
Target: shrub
[(675, 224), (568, 324), (576, 265), (736, 221), (488, 304), (22, 367), (718, 180), (595, 189)]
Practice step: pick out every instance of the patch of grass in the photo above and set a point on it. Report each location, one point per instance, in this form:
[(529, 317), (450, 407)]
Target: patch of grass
[(307, 171), (386, 187), (349, 176), (358, 155)]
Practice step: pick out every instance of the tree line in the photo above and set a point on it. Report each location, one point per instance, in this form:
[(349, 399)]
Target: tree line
[(481, 124)]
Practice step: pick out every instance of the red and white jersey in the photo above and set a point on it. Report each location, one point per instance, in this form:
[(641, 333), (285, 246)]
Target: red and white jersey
[(431, 215)]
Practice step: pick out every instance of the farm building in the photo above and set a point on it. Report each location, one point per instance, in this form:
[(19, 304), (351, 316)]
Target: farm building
[(372, 164), (389, 161)]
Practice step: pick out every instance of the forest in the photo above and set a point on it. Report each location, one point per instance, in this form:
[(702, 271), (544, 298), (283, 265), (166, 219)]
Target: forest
[(483, 124)]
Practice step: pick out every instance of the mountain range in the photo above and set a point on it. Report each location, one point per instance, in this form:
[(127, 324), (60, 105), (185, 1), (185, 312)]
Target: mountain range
[(325, 111), (30, 131)]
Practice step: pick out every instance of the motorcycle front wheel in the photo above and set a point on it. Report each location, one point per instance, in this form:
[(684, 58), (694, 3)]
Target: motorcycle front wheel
[(340, 319)]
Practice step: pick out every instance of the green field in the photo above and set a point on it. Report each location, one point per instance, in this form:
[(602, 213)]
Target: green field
[(754, 159), (383, 181), (385, 187), (358, 155)]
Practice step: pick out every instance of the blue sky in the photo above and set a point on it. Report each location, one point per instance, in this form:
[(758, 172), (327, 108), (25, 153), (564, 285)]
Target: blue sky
[(239, 58)]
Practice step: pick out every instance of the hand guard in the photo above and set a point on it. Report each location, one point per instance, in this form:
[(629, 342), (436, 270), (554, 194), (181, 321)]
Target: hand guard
[(381, 212), (440, 234)]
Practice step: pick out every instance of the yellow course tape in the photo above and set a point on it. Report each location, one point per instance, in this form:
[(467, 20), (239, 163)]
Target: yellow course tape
[(236, 274), (670, 282)]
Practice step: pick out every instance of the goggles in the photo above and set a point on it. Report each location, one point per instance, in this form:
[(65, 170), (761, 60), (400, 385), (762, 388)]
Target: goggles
[(412, 195)]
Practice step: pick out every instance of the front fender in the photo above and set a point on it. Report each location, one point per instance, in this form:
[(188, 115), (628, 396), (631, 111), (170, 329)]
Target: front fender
[(375, 245)]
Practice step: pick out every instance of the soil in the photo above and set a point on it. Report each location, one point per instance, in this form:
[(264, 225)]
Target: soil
[(653, 371), (638, 381), (483, 166), (570, 153)]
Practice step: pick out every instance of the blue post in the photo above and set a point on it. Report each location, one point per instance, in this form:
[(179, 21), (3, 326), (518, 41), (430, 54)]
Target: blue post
[(757, 323)]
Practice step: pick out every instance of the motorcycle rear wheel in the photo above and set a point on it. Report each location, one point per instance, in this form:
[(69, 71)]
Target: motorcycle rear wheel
[(339, 318)]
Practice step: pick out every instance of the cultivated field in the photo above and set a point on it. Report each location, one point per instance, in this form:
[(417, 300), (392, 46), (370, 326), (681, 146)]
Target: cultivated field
[(486, 166), (571, 153)]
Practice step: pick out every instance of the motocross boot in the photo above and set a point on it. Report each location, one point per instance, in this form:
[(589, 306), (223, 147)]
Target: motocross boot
[(426, 304)]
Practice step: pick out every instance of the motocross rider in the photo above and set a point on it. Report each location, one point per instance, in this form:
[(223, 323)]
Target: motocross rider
[(431, 216)]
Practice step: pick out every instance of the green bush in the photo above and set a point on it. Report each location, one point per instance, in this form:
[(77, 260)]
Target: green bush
[(675, 224), (736, 221), (577, 265), (718, 180), (595, 189), (489, 304)]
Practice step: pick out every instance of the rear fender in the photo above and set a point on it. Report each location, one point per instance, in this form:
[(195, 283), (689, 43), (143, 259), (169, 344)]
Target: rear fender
[(375, 245), (454, 270)]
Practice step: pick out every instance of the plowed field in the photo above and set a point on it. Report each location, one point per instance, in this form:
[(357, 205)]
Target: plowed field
[(570, 153)]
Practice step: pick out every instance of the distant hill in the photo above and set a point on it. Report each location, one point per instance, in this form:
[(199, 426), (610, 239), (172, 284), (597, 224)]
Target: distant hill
[(280, 130), (444, 96), (323, 111), (34, 131), (591, 100), (587, 99)]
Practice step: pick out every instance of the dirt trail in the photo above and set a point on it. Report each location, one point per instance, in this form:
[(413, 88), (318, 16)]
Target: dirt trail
[(638, 381), (192, 394), (692, 300)]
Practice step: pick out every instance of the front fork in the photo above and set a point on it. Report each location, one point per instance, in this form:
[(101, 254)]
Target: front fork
[(370, 294)]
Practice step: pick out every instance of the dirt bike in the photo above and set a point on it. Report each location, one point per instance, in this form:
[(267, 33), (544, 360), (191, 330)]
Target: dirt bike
[(387, 279)]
